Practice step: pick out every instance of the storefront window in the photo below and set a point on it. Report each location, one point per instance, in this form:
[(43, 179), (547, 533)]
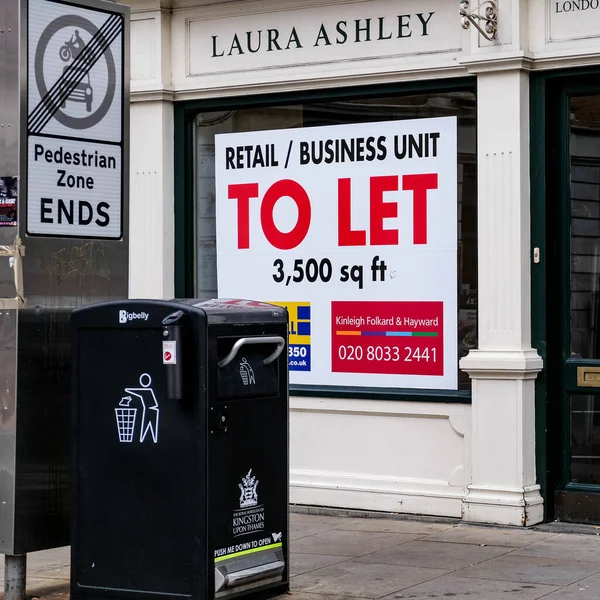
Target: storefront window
[(461, 105)]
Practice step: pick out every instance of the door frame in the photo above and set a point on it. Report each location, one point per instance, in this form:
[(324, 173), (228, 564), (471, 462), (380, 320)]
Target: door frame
[(549, 146)]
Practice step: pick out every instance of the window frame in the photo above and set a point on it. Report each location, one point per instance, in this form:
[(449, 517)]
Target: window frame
[(185, 113)]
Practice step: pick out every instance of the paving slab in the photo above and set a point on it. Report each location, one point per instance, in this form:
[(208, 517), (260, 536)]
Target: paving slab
[(62, 573), (532, 569), (309, 596), (584, 548), (327, 521), (582, 590), (302, 525), (451, 587), (437, 555), (303, 563), (339, 542), (361, 580), (468, 534), (48, 559), (47, 589), (390, 526)]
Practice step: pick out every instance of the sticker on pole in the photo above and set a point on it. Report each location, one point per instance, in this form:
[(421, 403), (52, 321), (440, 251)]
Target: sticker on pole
[(75, 119), (169, 353)]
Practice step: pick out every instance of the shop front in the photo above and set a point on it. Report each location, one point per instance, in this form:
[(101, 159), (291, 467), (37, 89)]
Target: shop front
[(366, 164)]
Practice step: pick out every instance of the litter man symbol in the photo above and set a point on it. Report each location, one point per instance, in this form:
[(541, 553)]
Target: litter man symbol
[(247, 372), (75, 72), (127, 412)]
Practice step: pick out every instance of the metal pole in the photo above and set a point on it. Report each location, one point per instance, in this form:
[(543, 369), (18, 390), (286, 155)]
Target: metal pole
[(15, 570)]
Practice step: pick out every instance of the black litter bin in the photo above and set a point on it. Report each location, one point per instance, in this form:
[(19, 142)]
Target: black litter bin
[(180, 450)]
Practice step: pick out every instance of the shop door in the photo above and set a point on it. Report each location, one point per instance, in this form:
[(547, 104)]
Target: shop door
[(574, 304)]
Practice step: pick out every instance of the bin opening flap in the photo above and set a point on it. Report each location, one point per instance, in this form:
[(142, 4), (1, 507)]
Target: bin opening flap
[(244, 570), (247, 376), (245, 576)]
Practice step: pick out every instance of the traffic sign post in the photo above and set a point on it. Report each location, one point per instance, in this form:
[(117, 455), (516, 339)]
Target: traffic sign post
[(76, 112), (64, 115)]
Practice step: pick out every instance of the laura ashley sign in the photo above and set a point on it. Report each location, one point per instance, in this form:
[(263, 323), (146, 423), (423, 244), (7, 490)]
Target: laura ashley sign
[(361, 31), (332, 33)]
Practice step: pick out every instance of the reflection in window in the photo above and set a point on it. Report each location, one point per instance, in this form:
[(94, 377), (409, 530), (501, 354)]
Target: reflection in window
[(585, 439), (459, 104), (585, 225)]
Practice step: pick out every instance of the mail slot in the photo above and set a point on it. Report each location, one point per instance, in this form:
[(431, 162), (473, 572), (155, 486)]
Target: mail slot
[(181, 438), (588, 376)]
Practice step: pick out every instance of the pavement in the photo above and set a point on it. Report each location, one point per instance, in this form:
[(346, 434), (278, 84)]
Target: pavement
[(349, 558)]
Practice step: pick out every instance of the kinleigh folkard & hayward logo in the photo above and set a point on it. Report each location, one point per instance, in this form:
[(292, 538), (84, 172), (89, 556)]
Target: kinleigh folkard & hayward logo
[(250, 517)]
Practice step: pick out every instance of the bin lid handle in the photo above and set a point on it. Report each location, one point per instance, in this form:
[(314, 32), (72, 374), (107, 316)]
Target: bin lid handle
[(275, 339)]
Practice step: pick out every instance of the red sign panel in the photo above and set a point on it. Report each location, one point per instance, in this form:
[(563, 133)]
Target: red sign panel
[(395, 338)]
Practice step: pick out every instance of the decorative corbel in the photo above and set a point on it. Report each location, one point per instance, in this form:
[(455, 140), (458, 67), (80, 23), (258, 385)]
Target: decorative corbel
[(486, 23)]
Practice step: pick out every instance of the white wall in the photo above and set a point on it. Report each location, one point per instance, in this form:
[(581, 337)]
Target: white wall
[(409, 457)]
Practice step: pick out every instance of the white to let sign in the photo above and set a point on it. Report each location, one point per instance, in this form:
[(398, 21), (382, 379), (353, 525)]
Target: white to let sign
[(354, 229), (75, 119)]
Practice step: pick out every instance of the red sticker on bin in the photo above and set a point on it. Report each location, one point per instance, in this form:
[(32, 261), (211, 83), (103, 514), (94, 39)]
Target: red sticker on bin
[(169, 353)]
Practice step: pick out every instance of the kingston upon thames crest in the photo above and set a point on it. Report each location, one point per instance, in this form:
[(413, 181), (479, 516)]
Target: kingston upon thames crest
[(248, 494)]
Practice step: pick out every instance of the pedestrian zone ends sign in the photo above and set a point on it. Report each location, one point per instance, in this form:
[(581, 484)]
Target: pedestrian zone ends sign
[(75, 124)]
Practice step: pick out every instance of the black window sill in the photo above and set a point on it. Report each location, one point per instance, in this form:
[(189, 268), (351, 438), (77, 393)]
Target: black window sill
[(365, 393)]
